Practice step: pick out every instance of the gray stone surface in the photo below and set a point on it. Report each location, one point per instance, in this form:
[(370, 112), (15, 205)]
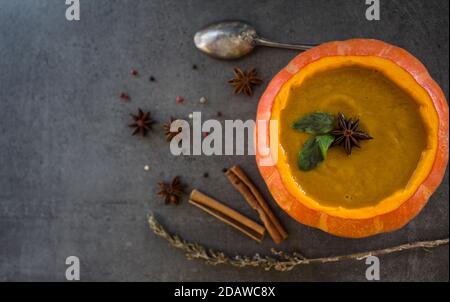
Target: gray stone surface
[(71, 176)]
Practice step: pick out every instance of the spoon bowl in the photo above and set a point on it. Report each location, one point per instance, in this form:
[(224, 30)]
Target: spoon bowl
[(226, 40)]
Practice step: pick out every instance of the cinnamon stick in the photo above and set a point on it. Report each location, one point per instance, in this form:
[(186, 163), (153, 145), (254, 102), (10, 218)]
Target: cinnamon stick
[(245, 186), (227, 215)]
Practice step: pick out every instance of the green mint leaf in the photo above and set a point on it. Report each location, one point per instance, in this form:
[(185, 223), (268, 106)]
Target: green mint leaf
[(310, 156), (324, 142), (315, 123)]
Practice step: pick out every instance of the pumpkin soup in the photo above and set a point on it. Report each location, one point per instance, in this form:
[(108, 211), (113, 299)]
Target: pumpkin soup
[(361, 192), (381, 166)]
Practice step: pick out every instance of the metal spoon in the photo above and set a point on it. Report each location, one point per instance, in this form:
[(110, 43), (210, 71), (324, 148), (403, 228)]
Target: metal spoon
[(234, 39)]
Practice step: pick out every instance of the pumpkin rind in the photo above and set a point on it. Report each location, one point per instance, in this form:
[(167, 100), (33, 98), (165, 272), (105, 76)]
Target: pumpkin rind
[(347, 227)]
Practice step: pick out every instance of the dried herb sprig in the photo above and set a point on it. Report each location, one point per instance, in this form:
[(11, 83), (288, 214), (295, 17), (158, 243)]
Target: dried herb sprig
[(280, 261), (326, 135)]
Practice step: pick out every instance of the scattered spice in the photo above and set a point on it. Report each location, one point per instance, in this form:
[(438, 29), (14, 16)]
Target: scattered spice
[(169, 134), (347, 133), (125, 97), (224, 170), (134, 72), (179, 99), (244, 81), (219, 114), (171, 192), (203, 100), (142, 122), (206, 175), (194, 67), (152, 79), (146, 168)]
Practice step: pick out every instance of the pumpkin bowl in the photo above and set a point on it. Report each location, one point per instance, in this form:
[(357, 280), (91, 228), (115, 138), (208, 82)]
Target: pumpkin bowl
[(386, 183)]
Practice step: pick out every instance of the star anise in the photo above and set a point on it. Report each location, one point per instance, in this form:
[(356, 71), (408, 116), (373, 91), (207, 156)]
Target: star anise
[(171, 192), (244, 81), (142, 122), (347, 133), (170, 135)]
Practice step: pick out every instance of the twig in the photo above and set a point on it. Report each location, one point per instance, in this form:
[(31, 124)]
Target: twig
[(280, 261)]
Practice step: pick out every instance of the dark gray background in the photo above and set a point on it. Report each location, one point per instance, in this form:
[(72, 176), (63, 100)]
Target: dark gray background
[(71, 176)]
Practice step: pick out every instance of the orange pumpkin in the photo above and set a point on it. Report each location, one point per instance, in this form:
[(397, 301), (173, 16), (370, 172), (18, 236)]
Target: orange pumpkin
[(377, 219)]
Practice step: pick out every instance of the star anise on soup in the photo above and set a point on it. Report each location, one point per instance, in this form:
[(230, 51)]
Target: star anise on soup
[(244, 81), (169, 134), (171, 192), (142, 122), (347, 133)]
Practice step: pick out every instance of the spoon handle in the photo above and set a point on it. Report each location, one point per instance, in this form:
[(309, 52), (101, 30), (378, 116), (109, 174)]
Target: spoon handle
[(264, 42)]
